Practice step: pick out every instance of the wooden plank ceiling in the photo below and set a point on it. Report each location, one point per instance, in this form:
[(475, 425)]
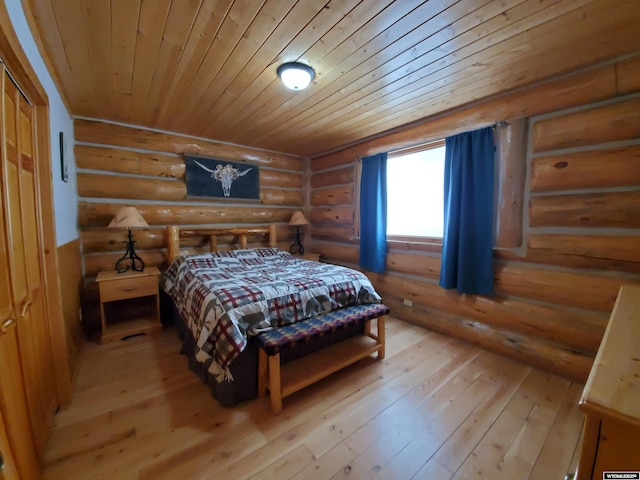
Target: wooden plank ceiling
[(208, 68)]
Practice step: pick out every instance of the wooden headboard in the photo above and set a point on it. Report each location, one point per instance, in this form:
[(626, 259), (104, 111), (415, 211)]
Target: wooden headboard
[(175, 233)]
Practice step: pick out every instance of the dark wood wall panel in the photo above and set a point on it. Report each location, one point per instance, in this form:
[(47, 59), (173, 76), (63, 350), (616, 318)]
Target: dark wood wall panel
[(70, 276), (580, 232)]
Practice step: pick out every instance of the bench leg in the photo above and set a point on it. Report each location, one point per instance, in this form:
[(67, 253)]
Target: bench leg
[(381, 338), (275, 389), (263, 373)]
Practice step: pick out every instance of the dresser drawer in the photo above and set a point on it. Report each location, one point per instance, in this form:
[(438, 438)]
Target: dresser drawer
[(128, 288)]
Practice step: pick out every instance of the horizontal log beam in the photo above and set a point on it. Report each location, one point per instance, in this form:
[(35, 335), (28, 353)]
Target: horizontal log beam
[(127, 161), (100, 214), (628, 76), (97, 132), (614, 167), (548, 356), (576, 330), (542, 257), (336, 234), (164, 166), (332, 216), (606, 123), (575, 289), (94, 263), (113, 239), (92, 185), (615, 209), (339, 254), (278, 196), (338, 195), (602, 252), (414, 264), (96, 240), (107, 261), (577, 89), (342, 176), (332, 161)]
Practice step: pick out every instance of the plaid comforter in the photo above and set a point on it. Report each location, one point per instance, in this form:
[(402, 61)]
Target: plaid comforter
[(226, 296)]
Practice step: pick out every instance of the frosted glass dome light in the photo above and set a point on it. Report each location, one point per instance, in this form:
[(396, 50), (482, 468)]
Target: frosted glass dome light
[(296, 76)]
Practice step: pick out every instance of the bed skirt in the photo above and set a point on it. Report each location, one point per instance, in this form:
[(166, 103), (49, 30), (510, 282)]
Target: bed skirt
[(244, 368)]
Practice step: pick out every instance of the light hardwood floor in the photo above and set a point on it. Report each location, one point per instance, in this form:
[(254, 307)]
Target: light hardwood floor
[(434, 408)]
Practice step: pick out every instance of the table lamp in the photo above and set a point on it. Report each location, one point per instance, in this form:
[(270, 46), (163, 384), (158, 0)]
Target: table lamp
[(129, 217), (297, 219)]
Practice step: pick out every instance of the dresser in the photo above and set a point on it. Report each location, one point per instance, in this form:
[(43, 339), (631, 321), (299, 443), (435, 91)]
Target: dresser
[(611, 396)]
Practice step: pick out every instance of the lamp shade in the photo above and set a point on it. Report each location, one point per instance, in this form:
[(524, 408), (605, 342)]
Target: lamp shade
[(128, 217), (295, 75), (298, 218)]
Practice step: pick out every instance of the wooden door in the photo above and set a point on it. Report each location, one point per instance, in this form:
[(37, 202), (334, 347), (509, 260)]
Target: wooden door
[(28, 350), (16, 428), (15, 432), (21, 454), (8, 469)]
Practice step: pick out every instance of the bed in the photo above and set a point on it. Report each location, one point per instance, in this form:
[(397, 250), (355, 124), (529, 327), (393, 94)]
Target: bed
[(222, 300)]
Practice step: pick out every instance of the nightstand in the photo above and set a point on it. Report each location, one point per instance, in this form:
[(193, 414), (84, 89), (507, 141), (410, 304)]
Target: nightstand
[(135, 297), (309, 256)]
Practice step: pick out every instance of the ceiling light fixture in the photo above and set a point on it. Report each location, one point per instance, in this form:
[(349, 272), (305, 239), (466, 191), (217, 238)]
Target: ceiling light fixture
[(295, 75)]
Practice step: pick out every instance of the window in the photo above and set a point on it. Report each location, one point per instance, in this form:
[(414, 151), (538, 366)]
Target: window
[(415, 191)]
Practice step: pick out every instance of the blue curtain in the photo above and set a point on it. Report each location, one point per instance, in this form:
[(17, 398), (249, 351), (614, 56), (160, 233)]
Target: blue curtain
[(467, 244), (373, 213)]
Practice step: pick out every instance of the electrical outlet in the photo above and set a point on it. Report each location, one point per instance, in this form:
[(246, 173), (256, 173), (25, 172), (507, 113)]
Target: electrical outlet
[(408, 302)]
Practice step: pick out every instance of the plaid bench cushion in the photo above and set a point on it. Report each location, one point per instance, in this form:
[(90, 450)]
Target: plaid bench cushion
[(272, 341)]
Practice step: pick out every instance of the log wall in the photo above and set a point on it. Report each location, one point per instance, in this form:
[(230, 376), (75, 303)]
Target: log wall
[(122, 165), (562, 262)]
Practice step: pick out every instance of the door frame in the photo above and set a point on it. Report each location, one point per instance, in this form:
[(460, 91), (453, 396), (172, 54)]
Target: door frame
[(18, 64)]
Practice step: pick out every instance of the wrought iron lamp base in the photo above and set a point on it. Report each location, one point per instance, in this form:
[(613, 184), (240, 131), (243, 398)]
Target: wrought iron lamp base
[(296, 247), (136, 262)]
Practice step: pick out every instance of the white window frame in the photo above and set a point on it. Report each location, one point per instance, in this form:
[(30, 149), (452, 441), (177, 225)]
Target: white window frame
[(406, 151)]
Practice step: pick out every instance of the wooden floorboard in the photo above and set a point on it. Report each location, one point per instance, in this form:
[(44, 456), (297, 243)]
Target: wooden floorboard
[(434, 408)]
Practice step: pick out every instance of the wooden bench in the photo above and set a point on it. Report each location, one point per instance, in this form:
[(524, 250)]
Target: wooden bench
[(283, 380)]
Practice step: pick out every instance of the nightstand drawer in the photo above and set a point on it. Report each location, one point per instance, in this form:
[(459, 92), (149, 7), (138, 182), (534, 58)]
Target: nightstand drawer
[(124, 288)]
